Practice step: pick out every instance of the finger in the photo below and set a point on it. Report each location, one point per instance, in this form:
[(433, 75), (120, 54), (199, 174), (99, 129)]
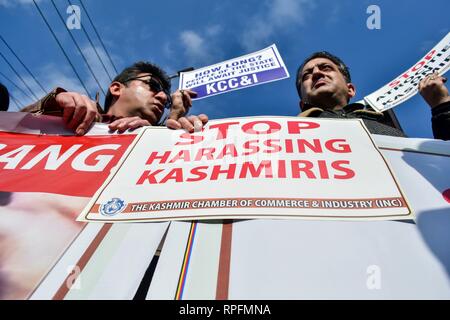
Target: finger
[(189, 94), (67, 103), (444, 79), (131, 123), (178, 96), (113, 125), (173, 124), (79, 113), (203, 117), (184, 98), (192, 94), (89, 117), (77, 119), (123, 125), (187, 101), (68, 113), (138, 123), (178, 108), (91, 114), (421, 84), (426, 81), (186, 124), (434, 76), (87, 122), (118, 125), (198, 124)]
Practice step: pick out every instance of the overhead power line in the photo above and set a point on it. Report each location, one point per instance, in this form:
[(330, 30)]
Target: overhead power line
[(92, 45), (15, 101), (99, 38), (18, 75), (23, 64), (61, 47), (78, 48), (16, 86)]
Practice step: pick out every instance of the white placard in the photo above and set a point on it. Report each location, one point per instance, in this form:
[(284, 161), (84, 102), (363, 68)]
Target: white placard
[(252, 69), (258, 167), (406, 84)]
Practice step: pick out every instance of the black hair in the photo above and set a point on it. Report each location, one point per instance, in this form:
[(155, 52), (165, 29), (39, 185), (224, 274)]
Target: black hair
[(4, 98), (322, 54), (133, 71)]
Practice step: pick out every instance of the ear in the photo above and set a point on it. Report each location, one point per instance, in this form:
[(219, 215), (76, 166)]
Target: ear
[(116, 89), (351, 90)]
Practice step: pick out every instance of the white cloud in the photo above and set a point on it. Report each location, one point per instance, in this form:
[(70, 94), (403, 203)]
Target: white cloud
[(196, 48), (213, 30), (274, 16), (193, 42), (199, 49), (286, 11), (52, 76), (168, 50)]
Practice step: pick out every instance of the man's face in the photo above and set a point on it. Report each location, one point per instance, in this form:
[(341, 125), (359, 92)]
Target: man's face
[(322, 84), (138, 98)]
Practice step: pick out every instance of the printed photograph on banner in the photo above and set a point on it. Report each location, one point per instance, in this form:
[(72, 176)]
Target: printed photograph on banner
[(258, 167), (406, 85), (35, 229), (239, 73), (45, 182)]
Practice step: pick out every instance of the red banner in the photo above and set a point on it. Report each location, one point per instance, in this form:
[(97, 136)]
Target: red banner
[(75, 166)]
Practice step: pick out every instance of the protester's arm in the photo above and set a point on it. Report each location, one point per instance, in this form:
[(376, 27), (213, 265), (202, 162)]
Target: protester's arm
[(441, 121), (47, 105), (181, 103), (436, 94), (78, 111)]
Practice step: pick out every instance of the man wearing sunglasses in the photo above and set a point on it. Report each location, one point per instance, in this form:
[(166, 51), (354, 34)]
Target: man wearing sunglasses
[(141, 93), (137, 97)]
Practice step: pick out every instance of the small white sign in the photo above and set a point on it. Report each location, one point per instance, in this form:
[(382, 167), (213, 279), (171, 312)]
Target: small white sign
[(406, 84), (249, 70)]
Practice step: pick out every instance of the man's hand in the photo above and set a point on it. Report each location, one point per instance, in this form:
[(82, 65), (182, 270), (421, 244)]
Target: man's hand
[(433, 90), (181, 103), (121, 125), (191, 123), (79, 112)]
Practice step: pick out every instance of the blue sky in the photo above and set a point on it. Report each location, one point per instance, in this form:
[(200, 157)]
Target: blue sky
[(177, 35)]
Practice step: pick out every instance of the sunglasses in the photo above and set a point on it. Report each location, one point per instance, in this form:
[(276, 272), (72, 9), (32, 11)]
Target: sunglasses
[(154, 85)]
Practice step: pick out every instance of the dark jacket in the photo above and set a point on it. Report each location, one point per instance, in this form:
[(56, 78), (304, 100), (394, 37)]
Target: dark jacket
[(379, 123), (440, 121)]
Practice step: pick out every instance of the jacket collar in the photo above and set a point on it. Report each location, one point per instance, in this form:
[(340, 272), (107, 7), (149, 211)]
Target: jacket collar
[(313, 111)]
